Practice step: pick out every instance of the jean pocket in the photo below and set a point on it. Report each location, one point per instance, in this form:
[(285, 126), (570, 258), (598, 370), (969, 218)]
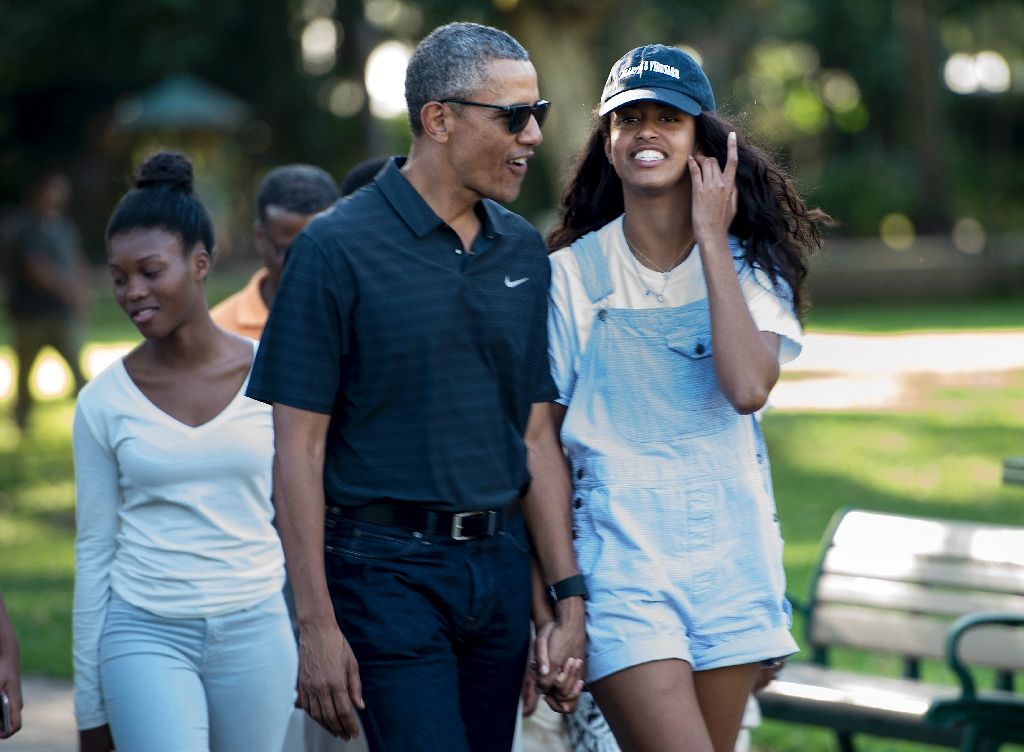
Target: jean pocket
[(515, 532), (368, 545)]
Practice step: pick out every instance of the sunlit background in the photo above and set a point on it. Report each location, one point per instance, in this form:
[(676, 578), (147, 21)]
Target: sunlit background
[(902, 118)]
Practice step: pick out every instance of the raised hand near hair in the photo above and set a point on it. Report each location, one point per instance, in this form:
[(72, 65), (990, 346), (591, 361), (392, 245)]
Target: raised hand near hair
[(714, 193)]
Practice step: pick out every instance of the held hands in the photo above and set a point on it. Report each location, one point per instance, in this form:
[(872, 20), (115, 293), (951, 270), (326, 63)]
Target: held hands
[(329, 689), (559, 647), (714, 193)]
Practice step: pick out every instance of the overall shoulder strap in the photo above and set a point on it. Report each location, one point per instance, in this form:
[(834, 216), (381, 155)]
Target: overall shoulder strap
[(593, 267)]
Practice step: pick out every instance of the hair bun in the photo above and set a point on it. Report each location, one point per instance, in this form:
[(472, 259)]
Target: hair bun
[(166, 169)]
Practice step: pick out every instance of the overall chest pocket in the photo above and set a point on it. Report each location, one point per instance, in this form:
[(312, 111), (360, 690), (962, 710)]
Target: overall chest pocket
[(673, 391)]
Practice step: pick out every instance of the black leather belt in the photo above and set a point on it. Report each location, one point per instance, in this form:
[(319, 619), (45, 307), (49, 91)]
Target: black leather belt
[(456, 525)]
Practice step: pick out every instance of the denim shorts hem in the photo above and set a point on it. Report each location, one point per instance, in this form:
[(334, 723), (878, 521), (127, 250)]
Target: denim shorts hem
[(625, 655), (748, 648)]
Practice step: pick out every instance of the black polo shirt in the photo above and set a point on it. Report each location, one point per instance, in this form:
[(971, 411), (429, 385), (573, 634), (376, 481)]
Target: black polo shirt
[(426, 357)]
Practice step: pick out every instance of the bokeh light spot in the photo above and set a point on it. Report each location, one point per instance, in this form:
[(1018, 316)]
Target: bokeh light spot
[(385, 78), (993, 71), (852, 121), (51, 377), (969, 236), (6, 378), (320, 39), (344, 97), (804, 110), (840, 91), (897, 231)]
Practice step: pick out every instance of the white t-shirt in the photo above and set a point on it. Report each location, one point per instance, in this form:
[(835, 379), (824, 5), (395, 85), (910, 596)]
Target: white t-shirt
[(636, 286), (177, 520)]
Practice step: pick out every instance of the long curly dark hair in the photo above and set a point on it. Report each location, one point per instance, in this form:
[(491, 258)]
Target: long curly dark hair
[(778, 230)]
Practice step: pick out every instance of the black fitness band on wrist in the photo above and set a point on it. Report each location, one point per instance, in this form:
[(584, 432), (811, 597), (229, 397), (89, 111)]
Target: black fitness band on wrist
[(567, 588)]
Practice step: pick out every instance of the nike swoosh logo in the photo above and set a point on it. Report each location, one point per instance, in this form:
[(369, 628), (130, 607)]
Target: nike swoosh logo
[(514, 283)]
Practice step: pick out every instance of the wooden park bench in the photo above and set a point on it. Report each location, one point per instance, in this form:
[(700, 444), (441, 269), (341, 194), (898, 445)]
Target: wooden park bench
[(1013, 471), (917, 589)]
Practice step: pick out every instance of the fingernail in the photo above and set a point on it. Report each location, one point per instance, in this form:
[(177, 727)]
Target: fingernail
[(543, 670), (732, 135)]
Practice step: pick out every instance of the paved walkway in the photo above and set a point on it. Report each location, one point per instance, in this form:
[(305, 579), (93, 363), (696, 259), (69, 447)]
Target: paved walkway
[(858, 372), (836, 372), (48, 723)]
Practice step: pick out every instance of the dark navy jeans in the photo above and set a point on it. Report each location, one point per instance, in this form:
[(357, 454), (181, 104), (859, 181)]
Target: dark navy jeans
[(440, 628)]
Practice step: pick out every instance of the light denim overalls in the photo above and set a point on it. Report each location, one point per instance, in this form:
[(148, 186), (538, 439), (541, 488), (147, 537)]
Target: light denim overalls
[(675, 523)]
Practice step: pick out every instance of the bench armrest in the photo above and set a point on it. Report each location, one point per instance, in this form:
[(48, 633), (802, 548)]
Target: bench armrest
[(804, 609), (961, 627)]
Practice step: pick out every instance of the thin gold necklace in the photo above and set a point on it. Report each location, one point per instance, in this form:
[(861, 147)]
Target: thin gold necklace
[(636, 254)]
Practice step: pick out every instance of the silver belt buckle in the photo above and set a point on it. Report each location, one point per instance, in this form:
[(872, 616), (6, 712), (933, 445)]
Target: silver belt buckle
[(458, 517)]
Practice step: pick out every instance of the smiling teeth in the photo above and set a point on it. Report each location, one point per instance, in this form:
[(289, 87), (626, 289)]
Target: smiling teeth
[(649, 155), (521, 162)]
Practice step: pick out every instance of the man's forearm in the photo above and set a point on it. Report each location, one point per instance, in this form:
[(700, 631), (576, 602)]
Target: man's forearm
[(547, 506)]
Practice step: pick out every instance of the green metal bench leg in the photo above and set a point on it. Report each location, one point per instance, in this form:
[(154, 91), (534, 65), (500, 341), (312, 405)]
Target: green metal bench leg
[(975, 741)]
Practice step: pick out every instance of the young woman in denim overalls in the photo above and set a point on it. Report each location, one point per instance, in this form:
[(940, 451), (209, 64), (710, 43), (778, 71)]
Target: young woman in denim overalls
[(672, 308)]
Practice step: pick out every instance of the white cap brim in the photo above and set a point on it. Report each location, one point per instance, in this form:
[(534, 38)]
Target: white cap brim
[(676, 99)]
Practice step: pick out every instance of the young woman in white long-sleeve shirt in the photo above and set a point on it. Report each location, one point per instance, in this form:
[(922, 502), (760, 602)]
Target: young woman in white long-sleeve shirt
[(181, 636)]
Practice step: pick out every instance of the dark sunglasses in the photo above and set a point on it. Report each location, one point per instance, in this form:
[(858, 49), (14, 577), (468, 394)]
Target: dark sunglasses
[(518, 114)]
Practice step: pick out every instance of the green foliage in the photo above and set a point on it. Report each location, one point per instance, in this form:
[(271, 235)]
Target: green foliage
[(852, 98)]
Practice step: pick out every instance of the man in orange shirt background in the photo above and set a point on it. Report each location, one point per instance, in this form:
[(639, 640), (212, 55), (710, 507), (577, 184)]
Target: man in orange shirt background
[(288, 198)]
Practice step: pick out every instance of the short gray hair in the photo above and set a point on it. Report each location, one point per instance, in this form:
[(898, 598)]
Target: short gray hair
[(449, 64)]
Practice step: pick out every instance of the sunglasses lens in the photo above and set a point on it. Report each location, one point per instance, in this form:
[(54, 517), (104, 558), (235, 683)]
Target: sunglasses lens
[(540, 111), (519, 115)]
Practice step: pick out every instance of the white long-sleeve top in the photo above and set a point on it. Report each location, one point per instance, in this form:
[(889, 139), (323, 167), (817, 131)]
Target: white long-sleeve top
[(175, 519)]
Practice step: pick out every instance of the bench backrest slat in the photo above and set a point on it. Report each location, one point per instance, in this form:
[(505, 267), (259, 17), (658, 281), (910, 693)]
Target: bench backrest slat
[(899, 567), (924, 599), (893, 584), (914, 635)]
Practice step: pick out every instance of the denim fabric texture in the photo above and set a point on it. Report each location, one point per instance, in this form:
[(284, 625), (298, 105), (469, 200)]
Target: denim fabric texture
[(440, 629), (218, 684), (676, 529)]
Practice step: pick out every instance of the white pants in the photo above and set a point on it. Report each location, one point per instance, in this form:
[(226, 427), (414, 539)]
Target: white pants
[(216, 684)]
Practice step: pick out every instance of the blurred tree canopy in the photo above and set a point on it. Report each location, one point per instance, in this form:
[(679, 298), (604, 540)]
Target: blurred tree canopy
[(912, 107)]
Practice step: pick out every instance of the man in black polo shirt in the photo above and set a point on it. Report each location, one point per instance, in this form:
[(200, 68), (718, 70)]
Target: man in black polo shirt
[(406, 359)]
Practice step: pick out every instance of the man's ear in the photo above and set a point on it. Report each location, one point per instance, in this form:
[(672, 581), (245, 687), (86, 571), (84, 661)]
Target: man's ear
[(436, 120)]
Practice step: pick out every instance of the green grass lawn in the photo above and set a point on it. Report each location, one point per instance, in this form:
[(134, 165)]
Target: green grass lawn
[(991, 314), (941, 459)]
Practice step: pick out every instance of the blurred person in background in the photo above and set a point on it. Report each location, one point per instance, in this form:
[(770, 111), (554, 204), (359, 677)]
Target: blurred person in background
[(180, 630), (49, 284), (677, 272), (288, 197), (361, 174)]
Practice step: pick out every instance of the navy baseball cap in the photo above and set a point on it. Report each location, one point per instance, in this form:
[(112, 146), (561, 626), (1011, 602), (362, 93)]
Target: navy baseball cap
[(658, 73)]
